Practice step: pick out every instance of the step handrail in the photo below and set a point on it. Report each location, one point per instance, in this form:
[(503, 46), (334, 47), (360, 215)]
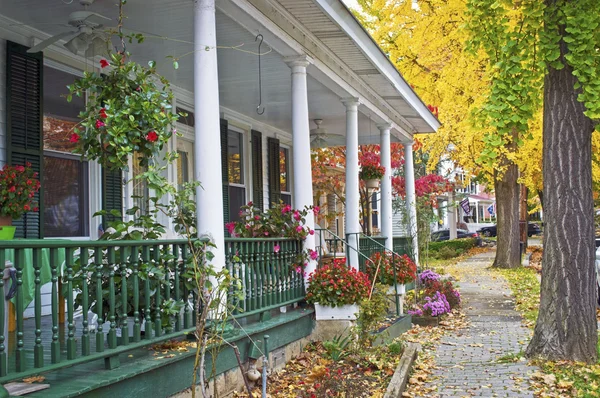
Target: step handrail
[(344, 242)]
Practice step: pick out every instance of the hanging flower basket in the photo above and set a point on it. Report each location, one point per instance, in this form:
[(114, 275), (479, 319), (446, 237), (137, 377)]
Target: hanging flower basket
[(126, 112), (372, 184)]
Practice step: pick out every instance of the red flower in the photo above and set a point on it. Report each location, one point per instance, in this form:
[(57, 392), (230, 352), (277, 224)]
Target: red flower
[(12, 189), (103, 114), (99, 123), (104, 63), (152, 136), (29, 182), (36, 209), (74, 138), (26, 208)]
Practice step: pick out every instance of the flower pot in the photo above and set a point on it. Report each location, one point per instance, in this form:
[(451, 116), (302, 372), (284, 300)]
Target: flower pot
[(7, 231), (425, 320), (372, 184), (346, 312), (397, 289)]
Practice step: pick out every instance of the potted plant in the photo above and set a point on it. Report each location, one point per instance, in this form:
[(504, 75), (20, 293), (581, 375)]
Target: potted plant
[(18, 186), (336, 290), (126, 112), (439, 297), (392, 270), (371, 170)]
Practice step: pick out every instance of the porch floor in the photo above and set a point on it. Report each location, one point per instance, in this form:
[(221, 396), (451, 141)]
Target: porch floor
[(93, 379)]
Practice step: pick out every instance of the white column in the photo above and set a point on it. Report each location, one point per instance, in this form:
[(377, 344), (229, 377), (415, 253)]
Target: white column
[(411, 203), (386, 186), (303, 193), (352, 187), (207, 141)]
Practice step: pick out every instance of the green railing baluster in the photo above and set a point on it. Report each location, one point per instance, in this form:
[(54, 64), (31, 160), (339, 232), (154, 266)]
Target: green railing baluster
[(279, 276), (85, 305), (38, 349), (247, 281), (148, 326), (176, 290), (55, 345), (124, 256), (99, 299), (157, 294), (112, 264), (137, 328), (3, 356), (20, 353), (71, 345), (261, 274), (186, 292), (169, 267)]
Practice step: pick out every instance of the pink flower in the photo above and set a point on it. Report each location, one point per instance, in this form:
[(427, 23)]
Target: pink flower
[(257, 217), (299, 228), (313, 254), (266, 233), (286, 209), (276, 248), (104, 63), (230, 227), (316, 210), (299, 269), (297, 216), (311, 232), (99, 123), (74, 138)]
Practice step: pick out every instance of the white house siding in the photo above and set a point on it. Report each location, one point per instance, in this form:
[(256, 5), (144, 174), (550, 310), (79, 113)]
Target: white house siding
[(398, 227)]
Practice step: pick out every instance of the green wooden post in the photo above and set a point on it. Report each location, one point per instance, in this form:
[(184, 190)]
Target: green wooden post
[(3, 357), (71, 344), (20, 353), (279, 275), (157, 295), (260, 263), (85, 305), (137, 327), (55, 345), (169, 268), (112, 362), (248, 306), (112, 333), (99, 298), (38, 350), (148, 324), (186, 293), (176, 265), (124, 303)]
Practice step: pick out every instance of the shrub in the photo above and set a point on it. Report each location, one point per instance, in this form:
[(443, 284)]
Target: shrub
[(456, 244), (336, 285), (371, 313), (405, 268)]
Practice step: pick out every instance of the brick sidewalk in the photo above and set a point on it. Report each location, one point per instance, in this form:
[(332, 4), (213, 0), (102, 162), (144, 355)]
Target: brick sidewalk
[(466, 360)]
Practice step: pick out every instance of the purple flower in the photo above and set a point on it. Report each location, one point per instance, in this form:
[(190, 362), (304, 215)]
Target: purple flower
[(416, 312), (429, 276), (436, 305)]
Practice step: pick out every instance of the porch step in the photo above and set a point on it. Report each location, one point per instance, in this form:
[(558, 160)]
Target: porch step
[(144, 374)]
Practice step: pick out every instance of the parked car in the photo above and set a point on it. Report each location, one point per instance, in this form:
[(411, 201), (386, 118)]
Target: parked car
[(444, 234), (532, 229)]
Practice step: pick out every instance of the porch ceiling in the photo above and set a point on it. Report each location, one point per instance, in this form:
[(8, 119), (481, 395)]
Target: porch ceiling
[(238, 62)]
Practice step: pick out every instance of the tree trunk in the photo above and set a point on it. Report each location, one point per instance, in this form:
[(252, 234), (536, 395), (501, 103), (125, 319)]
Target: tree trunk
[(523, 217), (566, 327), (507, 203)]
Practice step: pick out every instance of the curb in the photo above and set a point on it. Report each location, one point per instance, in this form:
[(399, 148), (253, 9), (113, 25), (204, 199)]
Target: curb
[(400, 378)]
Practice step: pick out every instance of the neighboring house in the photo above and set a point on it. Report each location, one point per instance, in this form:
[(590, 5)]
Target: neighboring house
[(317, 62)]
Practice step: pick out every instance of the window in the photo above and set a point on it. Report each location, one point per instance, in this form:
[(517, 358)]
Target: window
[(188, 119), (374, 208), (141, 192), (284, 173), (182, 168), (65, 176), (235, 165)]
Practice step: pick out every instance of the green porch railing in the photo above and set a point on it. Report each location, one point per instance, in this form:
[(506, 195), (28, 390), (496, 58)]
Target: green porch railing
[(369, 245), (113, 292), (402, 245), (267, 271)]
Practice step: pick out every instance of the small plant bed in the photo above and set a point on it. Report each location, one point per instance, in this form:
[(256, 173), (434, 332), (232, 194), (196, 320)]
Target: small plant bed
[(326, 369), (557, 379)]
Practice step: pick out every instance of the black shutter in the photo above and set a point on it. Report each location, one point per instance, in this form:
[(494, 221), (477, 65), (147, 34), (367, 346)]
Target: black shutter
[(257, 169), (112, 194), (24, 117), (225, 172), (274, 181)]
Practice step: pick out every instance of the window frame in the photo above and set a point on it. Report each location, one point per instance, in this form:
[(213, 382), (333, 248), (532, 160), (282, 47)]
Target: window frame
[(288, 166)]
